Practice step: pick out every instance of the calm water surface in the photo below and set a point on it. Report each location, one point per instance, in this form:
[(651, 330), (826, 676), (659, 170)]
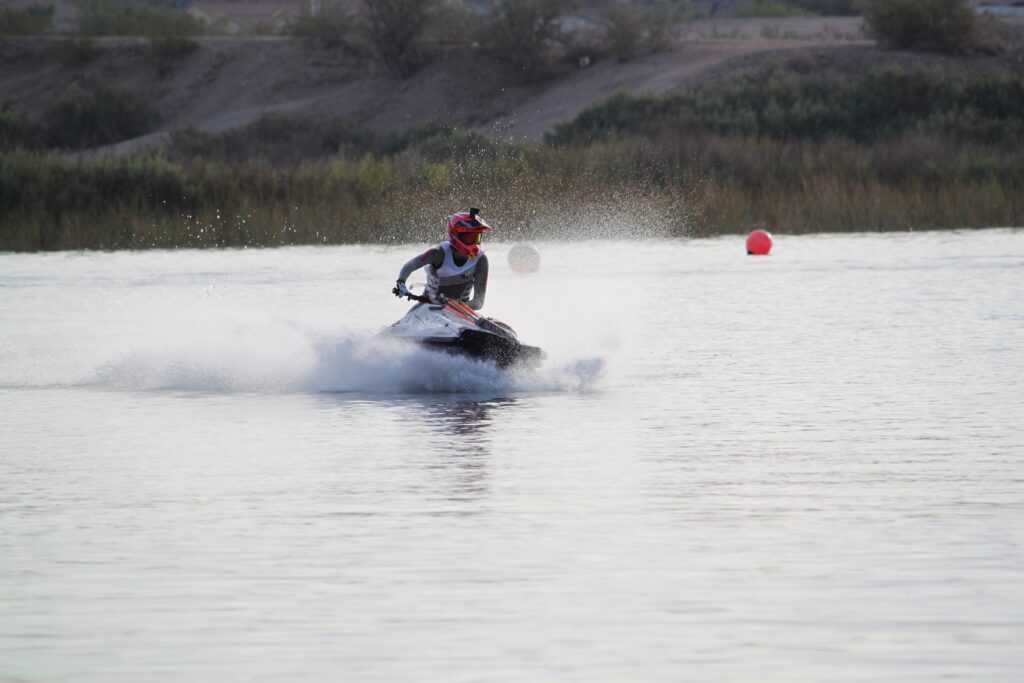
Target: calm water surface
[(802, 467)]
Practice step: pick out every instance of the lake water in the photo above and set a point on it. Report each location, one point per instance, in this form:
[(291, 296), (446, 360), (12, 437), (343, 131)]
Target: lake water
[(800, 467)]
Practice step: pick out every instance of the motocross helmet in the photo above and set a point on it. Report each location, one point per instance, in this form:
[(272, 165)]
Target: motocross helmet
[(465, 232)]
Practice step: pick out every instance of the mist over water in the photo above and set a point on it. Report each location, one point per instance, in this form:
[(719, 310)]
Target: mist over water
[(805, 466)]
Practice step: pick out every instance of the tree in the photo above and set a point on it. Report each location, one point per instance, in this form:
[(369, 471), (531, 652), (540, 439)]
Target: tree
[(331, 26), (522, 31), (397, 28), (637, 29), (32, 20), (944, 25)]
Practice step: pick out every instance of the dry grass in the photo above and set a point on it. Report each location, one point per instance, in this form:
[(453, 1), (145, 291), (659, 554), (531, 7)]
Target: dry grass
[(688, 185)]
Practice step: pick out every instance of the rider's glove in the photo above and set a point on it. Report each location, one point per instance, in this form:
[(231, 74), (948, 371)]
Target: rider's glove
[(400, 289)]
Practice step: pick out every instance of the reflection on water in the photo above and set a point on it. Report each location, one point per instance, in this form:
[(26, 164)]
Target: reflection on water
[(465, 421), (463, 444)]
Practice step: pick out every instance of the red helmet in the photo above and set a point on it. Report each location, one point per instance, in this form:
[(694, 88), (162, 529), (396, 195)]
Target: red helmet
[(465, 231)]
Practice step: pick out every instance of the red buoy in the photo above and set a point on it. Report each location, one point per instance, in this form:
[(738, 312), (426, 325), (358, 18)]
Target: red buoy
[(759, 243)]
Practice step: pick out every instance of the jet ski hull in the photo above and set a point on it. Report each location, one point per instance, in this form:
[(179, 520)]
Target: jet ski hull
[(455, 328), (490, 347)]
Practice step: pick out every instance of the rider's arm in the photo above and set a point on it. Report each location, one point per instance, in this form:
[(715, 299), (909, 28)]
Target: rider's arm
[(433, 257), (479, 284)]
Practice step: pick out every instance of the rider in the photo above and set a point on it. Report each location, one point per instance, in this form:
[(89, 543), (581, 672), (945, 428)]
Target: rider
[(454, 267)]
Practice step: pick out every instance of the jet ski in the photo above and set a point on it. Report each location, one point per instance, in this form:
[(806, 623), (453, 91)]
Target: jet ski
[(453, 327)]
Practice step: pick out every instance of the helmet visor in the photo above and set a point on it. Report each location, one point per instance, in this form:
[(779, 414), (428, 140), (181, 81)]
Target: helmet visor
[(470, 238)]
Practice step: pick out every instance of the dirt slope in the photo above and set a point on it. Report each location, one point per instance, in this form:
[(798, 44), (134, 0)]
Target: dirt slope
[(230, 82)]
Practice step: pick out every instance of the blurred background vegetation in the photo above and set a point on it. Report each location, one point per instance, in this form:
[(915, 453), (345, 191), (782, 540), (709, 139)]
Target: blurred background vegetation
[(792, 144)]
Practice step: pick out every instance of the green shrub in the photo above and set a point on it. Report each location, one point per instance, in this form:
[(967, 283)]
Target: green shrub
[(96, 114), (32, 20), (118, 18), (943, 25), (773, 103)]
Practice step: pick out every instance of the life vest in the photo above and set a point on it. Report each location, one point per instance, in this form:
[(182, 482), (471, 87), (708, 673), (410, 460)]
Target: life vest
[(451, 280)]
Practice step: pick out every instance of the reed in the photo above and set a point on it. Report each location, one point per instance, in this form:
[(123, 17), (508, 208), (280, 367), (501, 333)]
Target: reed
[(398, 190)]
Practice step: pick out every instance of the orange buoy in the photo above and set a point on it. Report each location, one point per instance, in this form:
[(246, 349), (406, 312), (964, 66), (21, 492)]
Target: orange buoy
[(759, 243)]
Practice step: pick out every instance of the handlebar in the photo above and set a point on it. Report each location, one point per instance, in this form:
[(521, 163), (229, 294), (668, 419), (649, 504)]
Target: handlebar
[(422, 298)]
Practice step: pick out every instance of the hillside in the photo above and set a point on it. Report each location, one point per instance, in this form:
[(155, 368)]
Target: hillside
[(229, 82)]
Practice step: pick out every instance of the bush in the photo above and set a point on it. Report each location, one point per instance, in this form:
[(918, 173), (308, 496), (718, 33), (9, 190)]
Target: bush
[(397, 28), (635, 30), (32, 20), (113, 18), (521, 34), (96, 114), (17, 131), (943, 25), (775, 104), (167, 51), (77, 51), (452, 24), (625, 31), (332, 27)]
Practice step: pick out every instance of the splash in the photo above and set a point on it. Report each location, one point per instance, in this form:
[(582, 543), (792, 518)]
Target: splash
[(358, 364), (289, 360)]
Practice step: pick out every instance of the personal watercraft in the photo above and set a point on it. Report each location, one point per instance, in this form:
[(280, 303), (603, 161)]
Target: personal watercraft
[(453, 327)]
